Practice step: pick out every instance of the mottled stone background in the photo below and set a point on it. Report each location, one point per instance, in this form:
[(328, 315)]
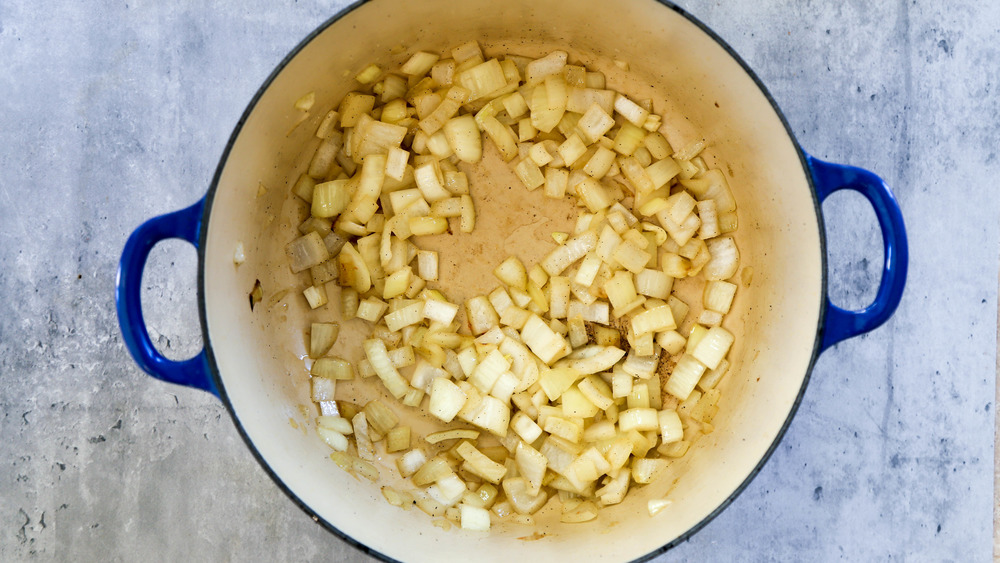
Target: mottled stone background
[(113, 112)]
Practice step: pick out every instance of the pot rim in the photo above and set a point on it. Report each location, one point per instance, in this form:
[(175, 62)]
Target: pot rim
[(370, 550)]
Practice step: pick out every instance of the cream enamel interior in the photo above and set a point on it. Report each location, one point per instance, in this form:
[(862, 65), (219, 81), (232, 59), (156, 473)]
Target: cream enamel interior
[(701, 91)]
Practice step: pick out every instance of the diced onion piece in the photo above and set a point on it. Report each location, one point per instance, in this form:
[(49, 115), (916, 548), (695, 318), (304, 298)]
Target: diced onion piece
[(468, 221), (427, 265), (322, 336), (440, 311), (410, 462), (489, 370), (447, 490), (539, 154), (556, 182), (332, 368), (330, 198), (630, 110), (395, 165), (594, 123), (483, 79), (690, 151), (323, 389), (641, 419), (480, 314), (697, 332), (645, 469), (446, 399), (529, 174), (628, 139), (455, 434), (305, 103), (572, 149), (493, 415), (653, 283), (515, 105), (397, 439), (581, 99), (377, 354), (526, 428), (335, 423), (685, 376), (362, 438), (631, 256), (380, 418), (559, 293), (662, 171), (671, 429), (563, 428), (708, 215), (585, 512), (542, 340), (304, 187), (537, 70), (327, 125), (353, 270), (306, 252), (334, 439), (557, 380), (479, 464), (725, 259), (574, 249), (463, 135), (593, 359), (522, 499), (710, 318), (371, 309), (353, 106), (597, 392), (655, 506), (620, 289), (397, 282), (424, 374), (404, 317), (428, 180), (713, 346), (656, 319), (548, 103), (422, 226), (501, 136), (512, 272), (316, 296), (432, 121), (475, 518), (711, 377), (420, 63), (593, 195), (368, 74), (576, 405), (640, 366)]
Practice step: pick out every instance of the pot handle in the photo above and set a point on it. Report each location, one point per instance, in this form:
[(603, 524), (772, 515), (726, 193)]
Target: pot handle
[(185, 225), (841, 324)]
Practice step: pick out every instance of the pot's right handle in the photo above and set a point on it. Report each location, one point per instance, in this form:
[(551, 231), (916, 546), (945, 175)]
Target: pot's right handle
[(841, 324), (185, 225)]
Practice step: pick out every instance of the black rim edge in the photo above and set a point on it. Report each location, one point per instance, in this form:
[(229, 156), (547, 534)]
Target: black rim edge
[(214, 368)]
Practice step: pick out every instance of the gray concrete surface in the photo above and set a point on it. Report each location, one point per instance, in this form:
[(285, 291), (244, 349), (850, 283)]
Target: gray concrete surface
[(112, 112)]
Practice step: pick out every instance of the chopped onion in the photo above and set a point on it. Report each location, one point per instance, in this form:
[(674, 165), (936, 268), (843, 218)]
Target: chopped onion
[(546, 356)]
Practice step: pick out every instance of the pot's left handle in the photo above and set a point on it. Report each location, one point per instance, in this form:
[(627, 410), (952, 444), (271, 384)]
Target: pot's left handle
[(185, 225)]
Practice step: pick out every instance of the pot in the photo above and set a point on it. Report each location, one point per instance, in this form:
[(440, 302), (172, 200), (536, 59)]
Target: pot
[(783, 319)]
